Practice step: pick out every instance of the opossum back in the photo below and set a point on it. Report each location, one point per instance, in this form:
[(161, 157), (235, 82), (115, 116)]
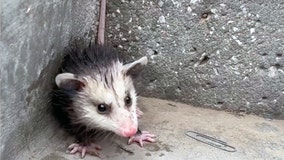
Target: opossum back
[(87, 60)]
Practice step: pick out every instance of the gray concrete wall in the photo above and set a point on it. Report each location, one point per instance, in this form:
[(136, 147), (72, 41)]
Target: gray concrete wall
[(221, 54), (33, 33), (225, 55)]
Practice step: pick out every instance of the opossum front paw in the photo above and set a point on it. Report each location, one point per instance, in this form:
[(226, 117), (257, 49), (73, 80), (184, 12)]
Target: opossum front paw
[(92, 149), (141, 138), (139, 113)]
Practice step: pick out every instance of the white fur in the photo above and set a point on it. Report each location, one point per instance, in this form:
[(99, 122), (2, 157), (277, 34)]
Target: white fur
[(62, 77), (96, 91), (143, 61)]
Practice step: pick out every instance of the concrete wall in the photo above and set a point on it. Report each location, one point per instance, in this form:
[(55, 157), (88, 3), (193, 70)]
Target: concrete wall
[(226, 55), (220, 54), (33, 33)]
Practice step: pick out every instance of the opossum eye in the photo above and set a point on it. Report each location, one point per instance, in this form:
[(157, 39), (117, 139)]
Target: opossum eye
[(103, 108), (128, 101)]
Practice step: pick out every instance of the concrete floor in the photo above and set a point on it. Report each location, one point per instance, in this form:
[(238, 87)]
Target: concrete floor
[(254, 138)]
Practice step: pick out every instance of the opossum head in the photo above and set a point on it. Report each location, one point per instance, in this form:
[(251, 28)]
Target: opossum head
[(106, 99)]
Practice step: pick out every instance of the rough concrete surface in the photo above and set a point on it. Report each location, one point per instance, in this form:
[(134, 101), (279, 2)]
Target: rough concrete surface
[(33, 33), (253, 137), (227, 55)]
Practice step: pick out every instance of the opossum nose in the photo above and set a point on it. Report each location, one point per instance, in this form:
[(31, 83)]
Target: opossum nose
[(130, 132)]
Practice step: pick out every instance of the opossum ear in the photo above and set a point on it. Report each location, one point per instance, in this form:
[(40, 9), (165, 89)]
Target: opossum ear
[(134, 68), (68, 81)]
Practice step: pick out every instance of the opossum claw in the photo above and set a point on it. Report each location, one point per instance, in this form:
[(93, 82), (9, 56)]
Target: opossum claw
[(83, 149), (139, 113), (141, 138)]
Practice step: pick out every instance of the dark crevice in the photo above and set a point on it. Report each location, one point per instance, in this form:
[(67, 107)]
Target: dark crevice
[(155, 52), (279, 54), (187, 28), (194, 49), (262, 67), (206, 14), (204, 60), (258, 20), (208, 85), (277, 65), (264, 97), (178, 88)]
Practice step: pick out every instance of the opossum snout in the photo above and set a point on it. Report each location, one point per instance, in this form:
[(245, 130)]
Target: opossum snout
[(127, 129), (130, 132)]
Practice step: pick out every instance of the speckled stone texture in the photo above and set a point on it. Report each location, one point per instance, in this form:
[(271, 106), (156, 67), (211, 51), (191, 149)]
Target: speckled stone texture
[(33, 33), (226, 55)]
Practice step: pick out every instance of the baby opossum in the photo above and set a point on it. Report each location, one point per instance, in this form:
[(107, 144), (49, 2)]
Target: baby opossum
[(95, 93)]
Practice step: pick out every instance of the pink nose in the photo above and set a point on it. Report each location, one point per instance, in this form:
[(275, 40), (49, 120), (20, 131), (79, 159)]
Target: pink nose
[(130, 132)]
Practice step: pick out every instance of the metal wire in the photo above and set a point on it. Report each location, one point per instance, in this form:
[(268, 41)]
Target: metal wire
[(210, 141)]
